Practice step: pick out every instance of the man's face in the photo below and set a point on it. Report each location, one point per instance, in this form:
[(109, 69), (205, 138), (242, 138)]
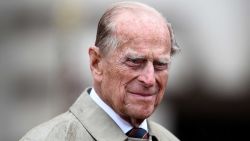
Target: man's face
[(135, 77)]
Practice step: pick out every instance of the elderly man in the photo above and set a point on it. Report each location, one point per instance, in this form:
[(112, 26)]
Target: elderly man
[(130, 65)]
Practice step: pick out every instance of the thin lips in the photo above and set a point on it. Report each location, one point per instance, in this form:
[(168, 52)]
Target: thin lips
[(142, 94)]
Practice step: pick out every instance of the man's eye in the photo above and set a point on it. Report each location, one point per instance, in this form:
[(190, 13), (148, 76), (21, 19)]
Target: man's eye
[(134, 62), (161, 65)]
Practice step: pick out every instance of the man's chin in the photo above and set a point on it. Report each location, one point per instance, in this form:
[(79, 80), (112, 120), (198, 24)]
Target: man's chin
[(142, 114)]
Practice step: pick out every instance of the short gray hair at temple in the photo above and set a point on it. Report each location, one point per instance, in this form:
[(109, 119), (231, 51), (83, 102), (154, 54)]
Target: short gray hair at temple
[(106, 39)]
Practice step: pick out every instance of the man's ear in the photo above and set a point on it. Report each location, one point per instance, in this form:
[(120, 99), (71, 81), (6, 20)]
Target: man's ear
[(95, 63)]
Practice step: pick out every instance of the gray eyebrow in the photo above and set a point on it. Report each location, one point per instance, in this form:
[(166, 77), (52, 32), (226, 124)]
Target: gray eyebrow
[(164, 60), (135, 56)]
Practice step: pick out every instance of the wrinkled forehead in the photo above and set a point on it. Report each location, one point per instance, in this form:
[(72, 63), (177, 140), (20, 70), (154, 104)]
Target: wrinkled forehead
[(141, 24)]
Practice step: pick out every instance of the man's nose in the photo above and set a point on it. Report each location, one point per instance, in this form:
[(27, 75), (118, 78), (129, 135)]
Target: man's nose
[(147, 75)]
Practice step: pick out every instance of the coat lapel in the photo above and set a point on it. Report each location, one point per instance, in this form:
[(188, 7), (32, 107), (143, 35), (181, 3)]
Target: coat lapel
[(95, 120), (151, 131)]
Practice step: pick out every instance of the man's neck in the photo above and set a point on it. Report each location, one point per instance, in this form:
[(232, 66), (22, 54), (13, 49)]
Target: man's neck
[(124, 123)]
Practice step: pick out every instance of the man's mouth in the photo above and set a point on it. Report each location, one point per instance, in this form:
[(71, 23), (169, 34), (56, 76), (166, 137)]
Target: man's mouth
[(143, 94)]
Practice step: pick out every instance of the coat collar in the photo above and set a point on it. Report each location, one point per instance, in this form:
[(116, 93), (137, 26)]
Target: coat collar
[(96, 121)]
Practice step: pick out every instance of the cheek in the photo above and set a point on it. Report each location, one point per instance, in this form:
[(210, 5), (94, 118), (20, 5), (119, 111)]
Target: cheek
[(114, 84), (163, 80), (159, 98)]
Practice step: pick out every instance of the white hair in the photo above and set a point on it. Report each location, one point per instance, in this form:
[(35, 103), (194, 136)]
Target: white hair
[(106, 39)]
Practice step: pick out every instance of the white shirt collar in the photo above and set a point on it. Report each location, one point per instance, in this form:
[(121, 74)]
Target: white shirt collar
[(124, 125)]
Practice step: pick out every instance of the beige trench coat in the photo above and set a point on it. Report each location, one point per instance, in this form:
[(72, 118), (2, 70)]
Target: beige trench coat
[(86, 121)]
